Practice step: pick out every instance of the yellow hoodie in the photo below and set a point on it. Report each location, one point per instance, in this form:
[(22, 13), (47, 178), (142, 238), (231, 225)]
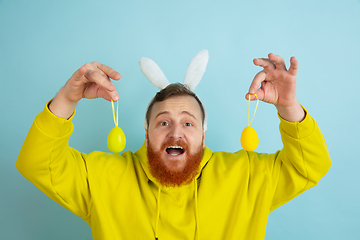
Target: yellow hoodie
[(118, 197)]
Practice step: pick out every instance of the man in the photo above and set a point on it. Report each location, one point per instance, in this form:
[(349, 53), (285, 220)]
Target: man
[(174, 187)]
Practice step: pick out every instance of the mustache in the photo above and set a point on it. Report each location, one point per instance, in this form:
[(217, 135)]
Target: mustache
[(174, 142)]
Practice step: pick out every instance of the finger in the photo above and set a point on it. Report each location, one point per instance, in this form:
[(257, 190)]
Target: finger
[(266, 63), (259, 95), (279, 61), (94, 91), (79, 74), (108, 95), (294, 65), (104, 83), (109, 71), (259, 77)]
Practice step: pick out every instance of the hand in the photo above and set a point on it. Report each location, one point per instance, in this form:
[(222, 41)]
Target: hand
[(277, 85), (90, 81)]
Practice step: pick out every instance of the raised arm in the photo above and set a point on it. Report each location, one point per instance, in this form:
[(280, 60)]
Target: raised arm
[(46, 159), (304, 158)]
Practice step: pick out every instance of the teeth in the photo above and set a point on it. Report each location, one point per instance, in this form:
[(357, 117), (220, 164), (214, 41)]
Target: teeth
[(179, 147), (174, 150)]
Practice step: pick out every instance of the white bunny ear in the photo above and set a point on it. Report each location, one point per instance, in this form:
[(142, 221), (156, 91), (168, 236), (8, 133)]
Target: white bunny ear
[(153, 72), (196, 69)]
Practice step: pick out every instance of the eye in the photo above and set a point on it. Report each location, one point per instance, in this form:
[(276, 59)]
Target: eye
[(188, 124), (164, 124)]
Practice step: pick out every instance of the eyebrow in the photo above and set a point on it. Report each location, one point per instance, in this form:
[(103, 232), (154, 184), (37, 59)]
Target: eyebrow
[(183, 112)]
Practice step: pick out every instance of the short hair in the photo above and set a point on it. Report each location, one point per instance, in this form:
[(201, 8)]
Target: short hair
[(172, 90)]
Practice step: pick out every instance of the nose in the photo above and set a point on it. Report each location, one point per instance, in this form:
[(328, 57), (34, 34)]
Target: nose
[(176, 131)]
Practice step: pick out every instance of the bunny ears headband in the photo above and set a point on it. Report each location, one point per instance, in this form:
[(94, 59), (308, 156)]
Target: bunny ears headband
[(193, 75)]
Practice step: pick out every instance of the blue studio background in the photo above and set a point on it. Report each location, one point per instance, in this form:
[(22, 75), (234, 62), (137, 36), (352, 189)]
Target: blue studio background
[(43, 42)]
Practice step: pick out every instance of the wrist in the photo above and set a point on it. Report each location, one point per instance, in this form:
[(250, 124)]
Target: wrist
[(292, 113), (61, 106)]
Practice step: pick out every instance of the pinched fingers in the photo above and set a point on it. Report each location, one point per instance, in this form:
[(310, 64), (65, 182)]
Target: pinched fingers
[(100, 86), (100, 74), (255, 86)]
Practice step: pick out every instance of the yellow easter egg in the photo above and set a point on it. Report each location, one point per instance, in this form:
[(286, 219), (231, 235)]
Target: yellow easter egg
[(116, 140), (249, 139)]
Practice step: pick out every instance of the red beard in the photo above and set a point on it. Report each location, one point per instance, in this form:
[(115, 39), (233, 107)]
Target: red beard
[(173, 178)]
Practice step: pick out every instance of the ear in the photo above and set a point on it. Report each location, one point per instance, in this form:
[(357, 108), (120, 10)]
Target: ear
[(196, 69), (146, 138), (153, 72), (203, 140)]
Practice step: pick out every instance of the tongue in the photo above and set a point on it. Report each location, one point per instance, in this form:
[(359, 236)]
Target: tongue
[(174, 151)]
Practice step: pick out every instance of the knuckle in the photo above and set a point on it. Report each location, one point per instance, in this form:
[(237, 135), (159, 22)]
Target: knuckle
[(87, 65), (93, 73)]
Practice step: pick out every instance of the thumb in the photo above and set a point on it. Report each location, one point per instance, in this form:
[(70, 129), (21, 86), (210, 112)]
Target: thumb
[(74, 87), (79, 74)]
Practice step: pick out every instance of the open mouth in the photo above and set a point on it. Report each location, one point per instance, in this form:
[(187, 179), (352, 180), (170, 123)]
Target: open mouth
[(175, 150)]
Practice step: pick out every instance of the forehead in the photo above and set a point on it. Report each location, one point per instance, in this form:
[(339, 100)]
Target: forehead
[(177, 105)]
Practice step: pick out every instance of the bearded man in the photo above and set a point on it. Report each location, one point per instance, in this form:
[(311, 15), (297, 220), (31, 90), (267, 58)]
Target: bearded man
[(174, 187)]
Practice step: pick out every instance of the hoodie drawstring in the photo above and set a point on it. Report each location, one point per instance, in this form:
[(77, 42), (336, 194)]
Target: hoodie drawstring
[(157, 214), (196, 212)]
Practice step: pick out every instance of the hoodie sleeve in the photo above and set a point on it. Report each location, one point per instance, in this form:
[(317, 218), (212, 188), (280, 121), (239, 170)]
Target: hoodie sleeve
[(48, 162), (302, 162)]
